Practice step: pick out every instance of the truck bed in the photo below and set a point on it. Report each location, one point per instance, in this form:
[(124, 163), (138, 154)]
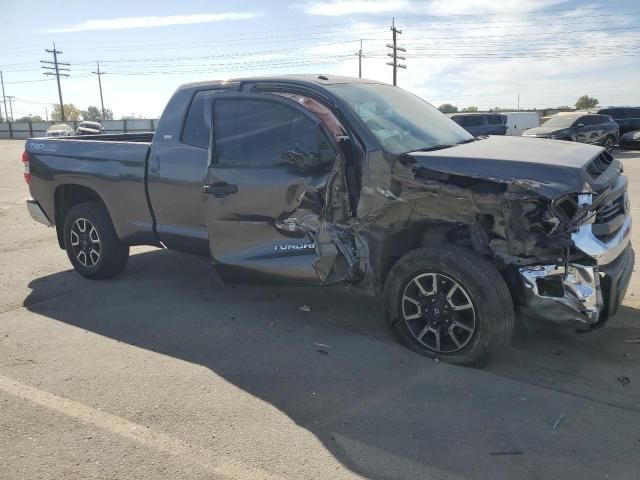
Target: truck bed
[(113, 166)]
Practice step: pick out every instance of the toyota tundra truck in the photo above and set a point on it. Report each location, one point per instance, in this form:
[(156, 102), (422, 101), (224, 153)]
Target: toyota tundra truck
[(322, 180)]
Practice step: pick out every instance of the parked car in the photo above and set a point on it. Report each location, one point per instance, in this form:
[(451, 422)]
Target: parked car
[(59, 130), (320, 180), (481, 123), (627, 118), (630, 140), (89, 128), (579, 127), (518, 122)]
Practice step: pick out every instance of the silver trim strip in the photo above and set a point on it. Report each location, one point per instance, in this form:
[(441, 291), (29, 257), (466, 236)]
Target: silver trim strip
[(602, 252), (37, 213)]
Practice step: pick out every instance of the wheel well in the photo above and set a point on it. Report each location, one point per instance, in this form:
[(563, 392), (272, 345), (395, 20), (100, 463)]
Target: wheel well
[(421, 235), (67, 196)]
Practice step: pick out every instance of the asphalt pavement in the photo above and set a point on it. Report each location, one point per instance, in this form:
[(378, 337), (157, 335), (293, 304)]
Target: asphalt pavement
[(165, 372)]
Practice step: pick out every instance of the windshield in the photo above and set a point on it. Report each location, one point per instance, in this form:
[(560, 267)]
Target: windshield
[(562, 121), (400, 121)]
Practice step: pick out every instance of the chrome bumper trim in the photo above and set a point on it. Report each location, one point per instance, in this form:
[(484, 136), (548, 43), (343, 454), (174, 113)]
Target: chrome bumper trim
[(579, 302), (37, 213), (602, 252)]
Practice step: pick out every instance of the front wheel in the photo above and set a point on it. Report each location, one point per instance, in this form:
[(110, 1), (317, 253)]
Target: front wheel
[(449, 303), (91, 242)]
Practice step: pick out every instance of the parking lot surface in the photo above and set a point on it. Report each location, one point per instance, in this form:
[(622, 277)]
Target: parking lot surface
[(164, 372)]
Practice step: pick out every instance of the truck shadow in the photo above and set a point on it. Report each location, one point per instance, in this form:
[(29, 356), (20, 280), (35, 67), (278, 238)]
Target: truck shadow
[(337, 371)]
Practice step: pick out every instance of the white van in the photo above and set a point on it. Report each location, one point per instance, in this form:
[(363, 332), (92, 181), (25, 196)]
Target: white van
[(518, 122)]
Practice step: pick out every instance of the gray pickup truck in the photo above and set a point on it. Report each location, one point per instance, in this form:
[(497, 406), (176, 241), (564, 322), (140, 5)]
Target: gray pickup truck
[(317, 180)]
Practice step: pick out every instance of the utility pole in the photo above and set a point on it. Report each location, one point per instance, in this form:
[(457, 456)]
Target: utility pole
[(518, 101), (359, 54), (46, 114), (58, 69), (11, 99), (98, 73), (394, 54), (4, 99)]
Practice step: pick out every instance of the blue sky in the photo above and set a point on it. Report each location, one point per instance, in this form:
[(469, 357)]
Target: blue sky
[(466, 52)]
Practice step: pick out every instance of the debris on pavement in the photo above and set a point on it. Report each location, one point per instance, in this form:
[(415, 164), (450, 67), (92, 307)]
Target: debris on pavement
[(558, 420), (323, 348), (632, 340), (304, 308), (624, 381)]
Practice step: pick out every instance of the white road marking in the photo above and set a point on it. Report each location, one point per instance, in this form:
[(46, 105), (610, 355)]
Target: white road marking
[(121, 426)]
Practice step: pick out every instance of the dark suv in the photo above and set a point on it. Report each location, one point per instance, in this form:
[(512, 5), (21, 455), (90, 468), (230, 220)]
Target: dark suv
[(627, 118), (481, 123), (579, 127)]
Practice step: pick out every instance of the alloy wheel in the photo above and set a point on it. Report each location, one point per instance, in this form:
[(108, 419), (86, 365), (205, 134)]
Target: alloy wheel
[(608, 144), (438, 312), (85, 242)]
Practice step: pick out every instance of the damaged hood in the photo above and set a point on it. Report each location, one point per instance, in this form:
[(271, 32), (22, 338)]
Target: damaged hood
[(549, 167)]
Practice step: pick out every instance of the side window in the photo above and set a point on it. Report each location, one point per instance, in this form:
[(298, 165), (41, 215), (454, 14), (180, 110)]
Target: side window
[(262, 134), (495, 120), (584, 120), (195, 131), (628, 113), (474, 121), (458, 120)]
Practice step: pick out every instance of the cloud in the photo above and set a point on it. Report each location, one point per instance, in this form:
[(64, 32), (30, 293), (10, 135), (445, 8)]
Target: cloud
[(335, 8), (152, 22)]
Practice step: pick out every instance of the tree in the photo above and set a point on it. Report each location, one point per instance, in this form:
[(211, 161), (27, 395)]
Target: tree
[(470, 109), (586, 101), (448, 108), (30, 118), (71, 112), (95, 114)]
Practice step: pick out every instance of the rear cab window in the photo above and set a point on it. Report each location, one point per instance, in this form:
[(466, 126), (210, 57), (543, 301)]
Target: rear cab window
[(195, 131)]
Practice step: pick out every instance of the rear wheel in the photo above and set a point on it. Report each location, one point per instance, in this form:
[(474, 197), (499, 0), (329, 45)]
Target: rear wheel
[(91, 242), (609, 143), (449, 303)]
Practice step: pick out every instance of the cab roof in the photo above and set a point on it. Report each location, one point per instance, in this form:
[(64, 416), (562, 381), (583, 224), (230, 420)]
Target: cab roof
[(319, 79)]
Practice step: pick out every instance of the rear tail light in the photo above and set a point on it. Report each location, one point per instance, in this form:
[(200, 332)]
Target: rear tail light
[(27, 172)]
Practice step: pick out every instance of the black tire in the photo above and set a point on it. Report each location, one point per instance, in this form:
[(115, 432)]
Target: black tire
[(96, 253), (609, 143), (483, 288)]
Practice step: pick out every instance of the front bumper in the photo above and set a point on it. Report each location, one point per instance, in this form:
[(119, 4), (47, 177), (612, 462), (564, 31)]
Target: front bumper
[(583, 296), (37, 213)]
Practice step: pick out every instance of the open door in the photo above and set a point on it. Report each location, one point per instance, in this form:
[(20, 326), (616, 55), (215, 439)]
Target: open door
[(273, 191)]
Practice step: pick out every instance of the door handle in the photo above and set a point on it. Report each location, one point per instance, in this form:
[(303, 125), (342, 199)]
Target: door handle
[(154, 168), (220, 189)]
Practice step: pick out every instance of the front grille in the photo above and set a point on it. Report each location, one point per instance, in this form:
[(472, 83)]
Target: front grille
[(609, 218), (599, 164), (611, 210)]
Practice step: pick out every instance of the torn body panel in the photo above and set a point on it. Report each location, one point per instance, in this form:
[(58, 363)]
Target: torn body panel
[(521, 224)]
